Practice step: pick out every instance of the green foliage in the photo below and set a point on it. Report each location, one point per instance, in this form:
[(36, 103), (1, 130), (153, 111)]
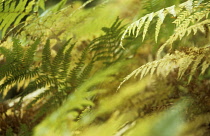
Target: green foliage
[(66, 82), (12, 12), (179, 61), (107, 47), (190, 17), (19, 65), (79, 100), (154, 5)]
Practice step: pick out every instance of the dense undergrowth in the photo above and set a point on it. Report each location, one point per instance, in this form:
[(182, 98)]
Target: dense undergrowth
[(112, 67)]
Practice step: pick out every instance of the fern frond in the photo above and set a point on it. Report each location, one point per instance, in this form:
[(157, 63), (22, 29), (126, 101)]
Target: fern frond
[(161, 17), (75, 72), (66, 62), (179, 60), (19, 65), (46, 57), (181, 31), (57, 61), (146, 25), (18, 50), (106, 47), (17, 59), (135, 27), (56, 75), (18, 76), (78, 101), (12, 12), (85, 73), (187, 14), (30, 53)]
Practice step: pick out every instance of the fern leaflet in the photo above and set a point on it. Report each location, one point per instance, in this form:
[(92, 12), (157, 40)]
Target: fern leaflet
[(170, 62), (12, 12)]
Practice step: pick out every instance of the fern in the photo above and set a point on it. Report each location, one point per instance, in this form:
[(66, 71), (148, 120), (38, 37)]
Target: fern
[(182, 31), (12, 12), (57, 73), (46, 24), (46, 57), (181, 61), (78, 100), (107, 47), (70, 87), (66, 63), (18, 66), (188, 18), (50, 74)]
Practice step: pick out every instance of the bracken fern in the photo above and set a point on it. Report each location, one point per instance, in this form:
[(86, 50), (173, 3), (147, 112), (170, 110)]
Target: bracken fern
[(190, 16)]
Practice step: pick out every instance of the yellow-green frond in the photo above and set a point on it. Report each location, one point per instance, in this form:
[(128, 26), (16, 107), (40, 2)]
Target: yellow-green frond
[(180, 60), (12, 12), (187, 15)]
